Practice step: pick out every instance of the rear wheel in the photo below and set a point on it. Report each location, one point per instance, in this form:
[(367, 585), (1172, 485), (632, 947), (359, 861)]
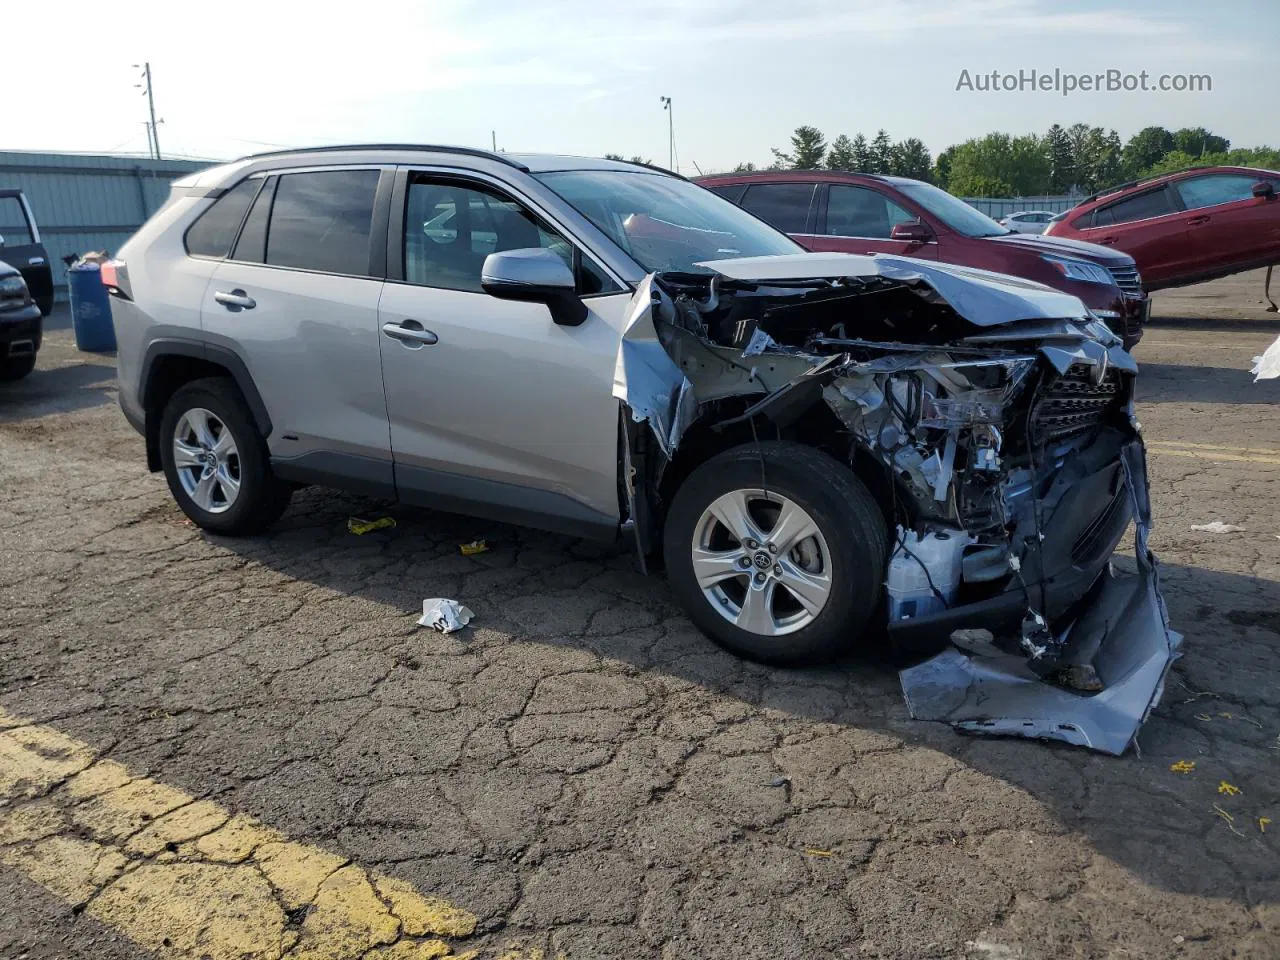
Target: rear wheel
[(777, 552), (216, 460), (15, 368)]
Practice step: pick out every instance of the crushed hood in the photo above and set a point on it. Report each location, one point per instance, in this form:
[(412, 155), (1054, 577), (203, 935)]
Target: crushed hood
[(981, 297)]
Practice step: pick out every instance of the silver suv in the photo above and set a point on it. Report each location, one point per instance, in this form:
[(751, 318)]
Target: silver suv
[(813, 445)]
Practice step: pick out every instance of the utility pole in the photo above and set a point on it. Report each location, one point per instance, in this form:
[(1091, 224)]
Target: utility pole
[(671, 133), (153, 140), (494, 135)]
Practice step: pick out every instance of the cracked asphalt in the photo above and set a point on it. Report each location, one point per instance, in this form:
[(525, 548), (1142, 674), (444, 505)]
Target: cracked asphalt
[(580, 771)]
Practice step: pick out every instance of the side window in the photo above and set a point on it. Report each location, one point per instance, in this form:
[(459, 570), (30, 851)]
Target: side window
[(252, 245), (13, 223), (861, 212), (451, 227), (782, 205), (1154, 203), (1209, 191), (321, 221), (215, 230)]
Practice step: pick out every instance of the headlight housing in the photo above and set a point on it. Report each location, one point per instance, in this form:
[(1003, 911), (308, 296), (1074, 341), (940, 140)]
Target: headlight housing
[(13, 287), (1079, 269)]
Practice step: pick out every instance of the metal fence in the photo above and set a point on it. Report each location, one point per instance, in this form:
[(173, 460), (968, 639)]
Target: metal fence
[(83, 202), (997, 207)]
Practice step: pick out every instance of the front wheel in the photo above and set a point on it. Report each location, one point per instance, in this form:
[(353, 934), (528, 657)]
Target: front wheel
[(216, 462), (777, 552)]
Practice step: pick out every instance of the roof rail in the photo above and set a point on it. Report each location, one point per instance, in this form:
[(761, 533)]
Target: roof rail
[(654, 167), (1107, 191), (433, 148)]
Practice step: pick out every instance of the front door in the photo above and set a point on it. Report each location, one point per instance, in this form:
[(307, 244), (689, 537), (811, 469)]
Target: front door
[(1150, 228), (20, 247), (1226, 224), (495, 409)]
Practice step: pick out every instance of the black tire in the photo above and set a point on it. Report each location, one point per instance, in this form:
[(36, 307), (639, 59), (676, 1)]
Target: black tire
[(262, 497), (15, 368), (844, 511)]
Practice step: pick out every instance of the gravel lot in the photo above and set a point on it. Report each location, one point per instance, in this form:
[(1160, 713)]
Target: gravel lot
[(588, 775)]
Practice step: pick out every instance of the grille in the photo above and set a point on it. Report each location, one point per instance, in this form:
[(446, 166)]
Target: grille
[(1127, 279), (1073, 404)]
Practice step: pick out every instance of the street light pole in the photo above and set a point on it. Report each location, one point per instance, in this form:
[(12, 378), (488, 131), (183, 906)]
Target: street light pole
[(671, 133)]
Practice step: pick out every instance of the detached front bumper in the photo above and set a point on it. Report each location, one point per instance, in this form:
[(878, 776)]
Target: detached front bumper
[(1118, 626)]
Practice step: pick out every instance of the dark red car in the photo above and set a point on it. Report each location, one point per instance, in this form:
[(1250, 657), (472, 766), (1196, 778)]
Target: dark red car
[(864, 213), (1185, 227)]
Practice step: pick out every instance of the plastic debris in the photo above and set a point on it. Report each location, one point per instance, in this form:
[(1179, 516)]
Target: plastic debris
[(1217, 526), (779, 781), (1228, 819), (443, 615), (1267, 366), (472, 548), (1228, 789), (1262, 824), (815, 852), (1183, 766), (361, 527)]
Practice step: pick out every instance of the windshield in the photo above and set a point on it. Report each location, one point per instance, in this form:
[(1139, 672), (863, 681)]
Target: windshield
[(955, 213), (666, 224)]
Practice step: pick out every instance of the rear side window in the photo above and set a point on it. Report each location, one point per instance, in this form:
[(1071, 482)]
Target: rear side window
[(732, 192), (321, 221), (782, 205), (252, 245), (1209, 191), (215, 230), (1154, 203)]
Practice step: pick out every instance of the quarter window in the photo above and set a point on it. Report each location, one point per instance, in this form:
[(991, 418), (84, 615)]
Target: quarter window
[(862, 212), (321, 221), (451, 227), (1154, 203), (782, 205), (215, 230), (1209, 191), (252, 245)]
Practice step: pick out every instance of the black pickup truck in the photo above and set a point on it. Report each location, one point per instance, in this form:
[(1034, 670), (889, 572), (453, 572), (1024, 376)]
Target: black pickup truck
[(21, 325), (20, 247)]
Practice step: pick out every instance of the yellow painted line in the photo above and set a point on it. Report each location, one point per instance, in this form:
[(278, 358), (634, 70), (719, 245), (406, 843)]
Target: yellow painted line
[(1213, 455), (186, 878), (1212, 446)]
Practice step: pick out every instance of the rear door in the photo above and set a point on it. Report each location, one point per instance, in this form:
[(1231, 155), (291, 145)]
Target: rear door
[(495, 409), (298, 301), (1227, 225), (1151, 227), (859, 219)]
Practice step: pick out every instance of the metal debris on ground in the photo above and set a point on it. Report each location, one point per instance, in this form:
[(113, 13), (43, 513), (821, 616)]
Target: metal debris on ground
[(472, 548), (1183, 766), (1217, 526), (361, 527), (815, 852), (1228, 789), (443, 615)]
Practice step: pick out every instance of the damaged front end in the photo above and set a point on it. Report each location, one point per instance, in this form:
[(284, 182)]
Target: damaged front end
[(994, 419)]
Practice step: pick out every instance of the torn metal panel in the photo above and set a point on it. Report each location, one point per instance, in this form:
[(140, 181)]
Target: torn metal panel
[(645, 377)]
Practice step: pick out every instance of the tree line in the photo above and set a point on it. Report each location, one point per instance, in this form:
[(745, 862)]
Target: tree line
[(1076, 159)]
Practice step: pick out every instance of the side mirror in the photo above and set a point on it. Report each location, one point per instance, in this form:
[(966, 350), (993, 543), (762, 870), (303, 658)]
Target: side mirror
[(910, 231), (1264, 189), (537, 275)]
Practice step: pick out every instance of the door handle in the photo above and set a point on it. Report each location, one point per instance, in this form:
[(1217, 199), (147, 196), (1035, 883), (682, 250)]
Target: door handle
[(235, 300), (1109, 240), (411, 333), (1196, 221)]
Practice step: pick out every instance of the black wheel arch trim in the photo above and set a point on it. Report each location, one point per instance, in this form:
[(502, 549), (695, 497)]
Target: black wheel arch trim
[(223, 356)]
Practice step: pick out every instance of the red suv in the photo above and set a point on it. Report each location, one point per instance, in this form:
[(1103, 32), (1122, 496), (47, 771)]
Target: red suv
[(865, 213), (1185, 227)]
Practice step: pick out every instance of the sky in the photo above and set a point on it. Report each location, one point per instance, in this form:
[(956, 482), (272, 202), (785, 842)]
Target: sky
[(583, 77)]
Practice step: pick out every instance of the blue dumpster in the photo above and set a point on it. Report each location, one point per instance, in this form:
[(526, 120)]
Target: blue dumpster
[(90, 309)]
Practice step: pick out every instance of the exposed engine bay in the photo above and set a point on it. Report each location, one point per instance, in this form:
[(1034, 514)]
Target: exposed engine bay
[(992, 417)]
